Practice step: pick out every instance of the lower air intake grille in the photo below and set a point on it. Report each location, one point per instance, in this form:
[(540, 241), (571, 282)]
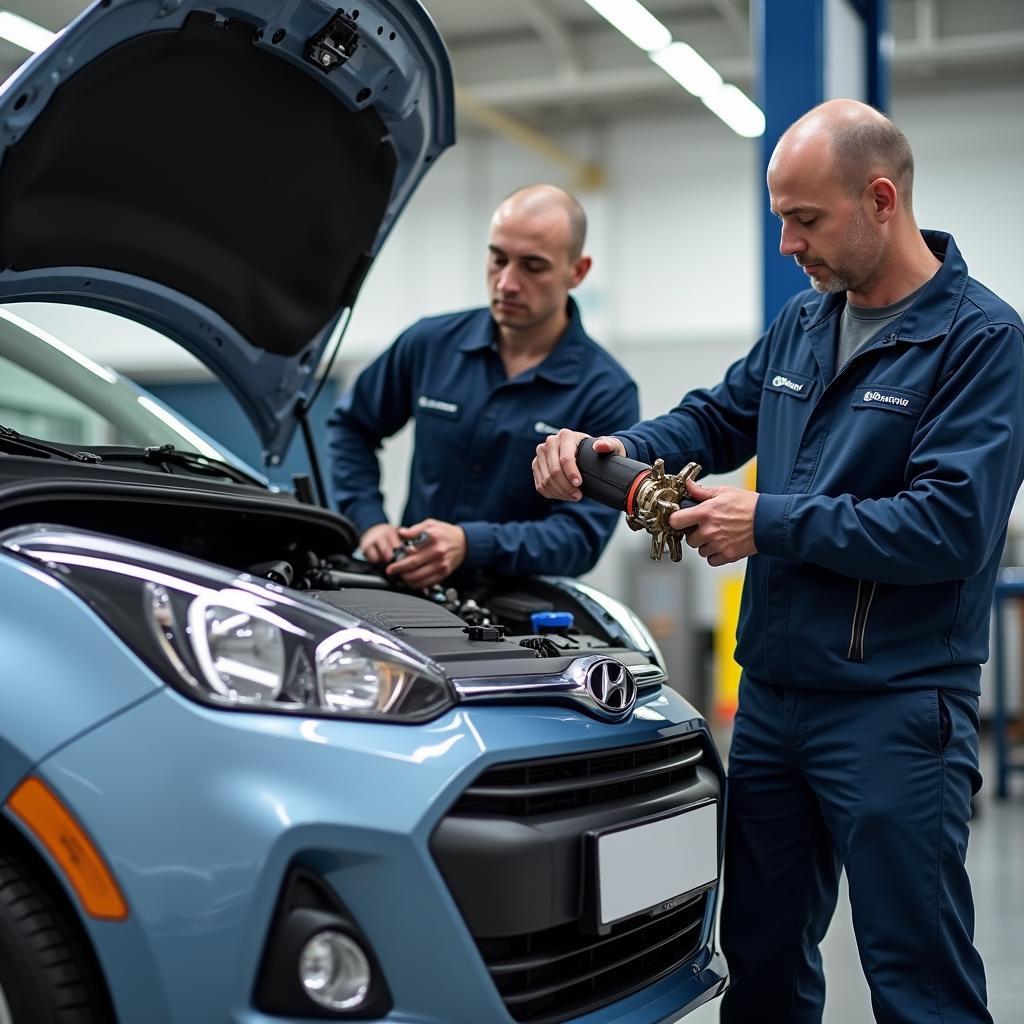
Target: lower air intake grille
[(512, 852), (553, 975), (529, 788)]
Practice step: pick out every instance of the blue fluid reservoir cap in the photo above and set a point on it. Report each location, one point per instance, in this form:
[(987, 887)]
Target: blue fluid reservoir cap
[(550, 621)]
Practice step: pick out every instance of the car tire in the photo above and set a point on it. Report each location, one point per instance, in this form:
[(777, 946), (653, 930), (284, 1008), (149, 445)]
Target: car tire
[(47, 973)]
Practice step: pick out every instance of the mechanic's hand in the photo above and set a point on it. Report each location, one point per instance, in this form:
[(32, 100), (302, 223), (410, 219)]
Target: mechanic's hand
[(721, 525), (378, 543), (442, 553), (555, 474)]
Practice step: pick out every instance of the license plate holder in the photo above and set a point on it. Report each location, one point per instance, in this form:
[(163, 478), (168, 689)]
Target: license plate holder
[(650, 865)]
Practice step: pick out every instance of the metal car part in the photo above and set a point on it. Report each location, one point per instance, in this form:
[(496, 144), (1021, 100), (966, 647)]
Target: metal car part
[(657, 496), (334, 43), (647, 494)]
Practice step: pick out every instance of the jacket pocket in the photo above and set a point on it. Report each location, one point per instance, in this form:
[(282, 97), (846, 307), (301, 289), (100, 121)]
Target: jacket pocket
[(859, 626)]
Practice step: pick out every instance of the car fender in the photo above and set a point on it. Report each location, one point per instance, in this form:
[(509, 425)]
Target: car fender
[(62, 672)]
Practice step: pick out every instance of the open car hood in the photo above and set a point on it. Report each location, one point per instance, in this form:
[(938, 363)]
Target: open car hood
[(224, 172)]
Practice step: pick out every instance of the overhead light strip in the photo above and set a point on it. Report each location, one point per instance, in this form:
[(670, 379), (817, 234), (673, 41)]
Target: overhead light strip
[(688, 68), (737, 110), (24, 33), (684, 64), (635, 22)]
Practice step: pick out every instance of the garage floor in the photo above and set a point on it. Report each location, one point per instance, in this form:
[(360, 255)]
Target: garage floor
[(994, 860)]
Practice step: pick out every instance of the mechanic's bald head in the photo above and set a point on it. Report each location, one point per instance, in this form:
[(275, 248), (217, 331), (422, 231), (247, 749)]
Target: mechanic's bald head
[(853, 142), (550, 204)]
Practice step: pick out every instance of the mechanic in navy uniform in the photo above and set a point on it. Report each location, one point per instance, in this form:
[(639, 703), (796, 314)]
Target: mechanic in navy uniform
[(887, 417), (484, 386)]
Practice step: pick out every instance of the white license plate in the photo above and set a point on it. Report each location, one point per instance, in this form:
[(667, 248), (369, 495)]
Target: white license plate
[(641, 867)]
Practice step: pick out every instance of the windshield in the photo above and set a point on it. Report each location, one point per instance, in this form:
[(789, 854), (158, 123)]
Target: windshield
[(50, 391)]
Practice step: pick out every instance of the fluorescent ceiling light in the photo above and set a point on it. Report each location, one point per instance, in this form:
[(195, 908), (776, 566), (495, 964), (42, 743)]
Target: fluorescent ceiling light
[(688, 68), (698, 77), (742, 115), (24, 33), (635, 22)]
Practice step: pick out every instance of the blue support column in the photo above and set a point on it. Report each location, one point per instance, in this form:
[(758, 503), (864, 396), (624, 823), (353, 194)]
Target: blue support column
[(879, 46), (790, 51)]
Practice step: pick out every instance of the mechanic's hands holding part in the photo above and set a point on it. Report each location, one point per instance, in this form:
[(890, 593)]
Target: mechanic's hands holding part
[(721, 526), (555, 473), (435, 556), (378, 543)]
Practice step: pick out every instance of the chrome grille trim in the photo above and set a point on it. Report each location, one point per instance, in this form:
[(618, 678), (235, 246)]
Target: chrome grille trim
[(568, 687)]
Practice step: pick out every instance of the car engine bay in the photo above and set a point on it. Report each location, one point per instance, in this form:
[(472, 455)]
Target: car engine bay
[(484, 629)]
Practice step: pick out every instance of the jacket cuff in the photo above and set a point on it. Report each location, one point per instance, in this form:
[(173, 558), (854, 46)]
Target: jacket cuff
[(364, 514), (771, 524), (632, 451), (481, 544)]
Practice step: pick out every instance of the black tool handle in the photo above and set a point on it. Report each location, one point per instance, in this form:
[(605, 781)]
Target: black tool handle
[(607, 478)]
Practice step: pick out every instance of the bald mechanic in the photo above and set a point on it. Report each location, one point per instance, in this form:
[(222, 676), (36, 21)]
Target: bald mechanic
[(483, 387), (887, 416)]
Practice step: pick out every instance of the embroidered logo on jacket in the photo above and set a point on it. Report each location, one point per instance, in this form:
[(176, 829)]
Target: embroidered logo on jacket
[(780, 380), (877, 396), (544, 428), (437, 405), (885, 398)]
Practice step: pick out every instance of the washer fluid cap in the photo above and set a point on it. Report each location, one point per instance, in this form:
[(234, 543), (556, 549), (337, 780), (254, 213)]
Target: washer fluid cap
[(551, 622)]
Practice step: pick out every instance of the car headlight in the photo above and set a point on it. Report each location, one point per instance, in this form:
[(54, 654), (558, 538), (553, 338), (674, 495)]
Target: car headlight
[(234, 641)]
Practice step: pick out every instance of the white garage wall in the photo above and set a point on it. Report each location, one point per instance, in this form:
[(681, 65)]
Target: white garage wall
[(969, 150)]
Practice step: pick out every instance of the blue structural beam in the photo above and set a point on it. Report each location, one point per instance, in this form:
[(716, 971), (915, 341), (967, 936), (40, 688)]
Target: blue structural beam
[(791, 46), (879, 46)]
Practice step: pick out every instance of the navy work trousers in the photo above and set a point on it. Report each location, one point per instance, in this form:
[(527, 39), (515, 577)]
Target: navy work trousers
[(878, 783)]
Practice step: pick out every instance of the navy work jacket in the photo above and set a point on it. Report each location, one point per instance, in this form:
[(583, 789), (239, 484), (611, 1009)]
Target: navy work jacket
[(885, 487), (476, 435)]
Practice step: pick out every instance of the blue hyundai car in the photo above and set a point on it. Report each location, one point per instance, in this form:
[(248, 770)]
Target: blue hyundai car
[(243, 776)]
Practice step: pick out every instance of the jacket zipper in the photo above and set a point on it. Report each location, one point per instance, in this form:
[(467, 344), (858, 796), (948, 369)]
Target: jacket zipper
[(865, 595)]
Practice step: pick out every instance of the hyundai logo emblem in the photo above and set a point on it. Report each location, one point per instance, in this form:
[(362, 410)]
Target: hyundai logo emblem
[(611, 686)]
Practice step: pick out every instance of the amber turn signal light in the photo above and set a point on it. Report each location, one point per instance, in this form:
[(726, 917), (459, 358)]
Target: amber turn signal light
[(83, 865)]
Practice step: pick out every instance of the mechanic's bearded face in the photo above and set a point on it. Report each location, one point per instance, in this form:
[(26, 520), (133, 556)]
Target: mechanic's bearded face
[(853, 265), (826, 227), (529, 267)]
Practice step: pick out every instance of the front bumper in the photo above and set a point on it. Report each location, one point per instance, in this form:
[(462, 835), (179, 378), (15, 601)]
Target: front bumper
[(200, 814)]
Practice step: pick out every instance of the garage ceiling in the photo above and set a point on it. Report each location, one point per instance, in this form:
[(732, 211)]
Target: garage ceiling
[(555, 60)]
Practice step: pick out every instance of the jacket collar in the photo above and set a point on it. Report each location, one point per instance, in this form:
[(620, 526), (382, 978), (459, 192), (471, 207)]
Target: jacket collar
[(560, 366), (933, 311)]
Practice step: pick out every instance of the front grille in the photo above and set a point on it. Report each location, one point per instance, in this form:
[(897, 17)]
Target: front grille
[(529, 788), (552, 975), (521, 882)]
